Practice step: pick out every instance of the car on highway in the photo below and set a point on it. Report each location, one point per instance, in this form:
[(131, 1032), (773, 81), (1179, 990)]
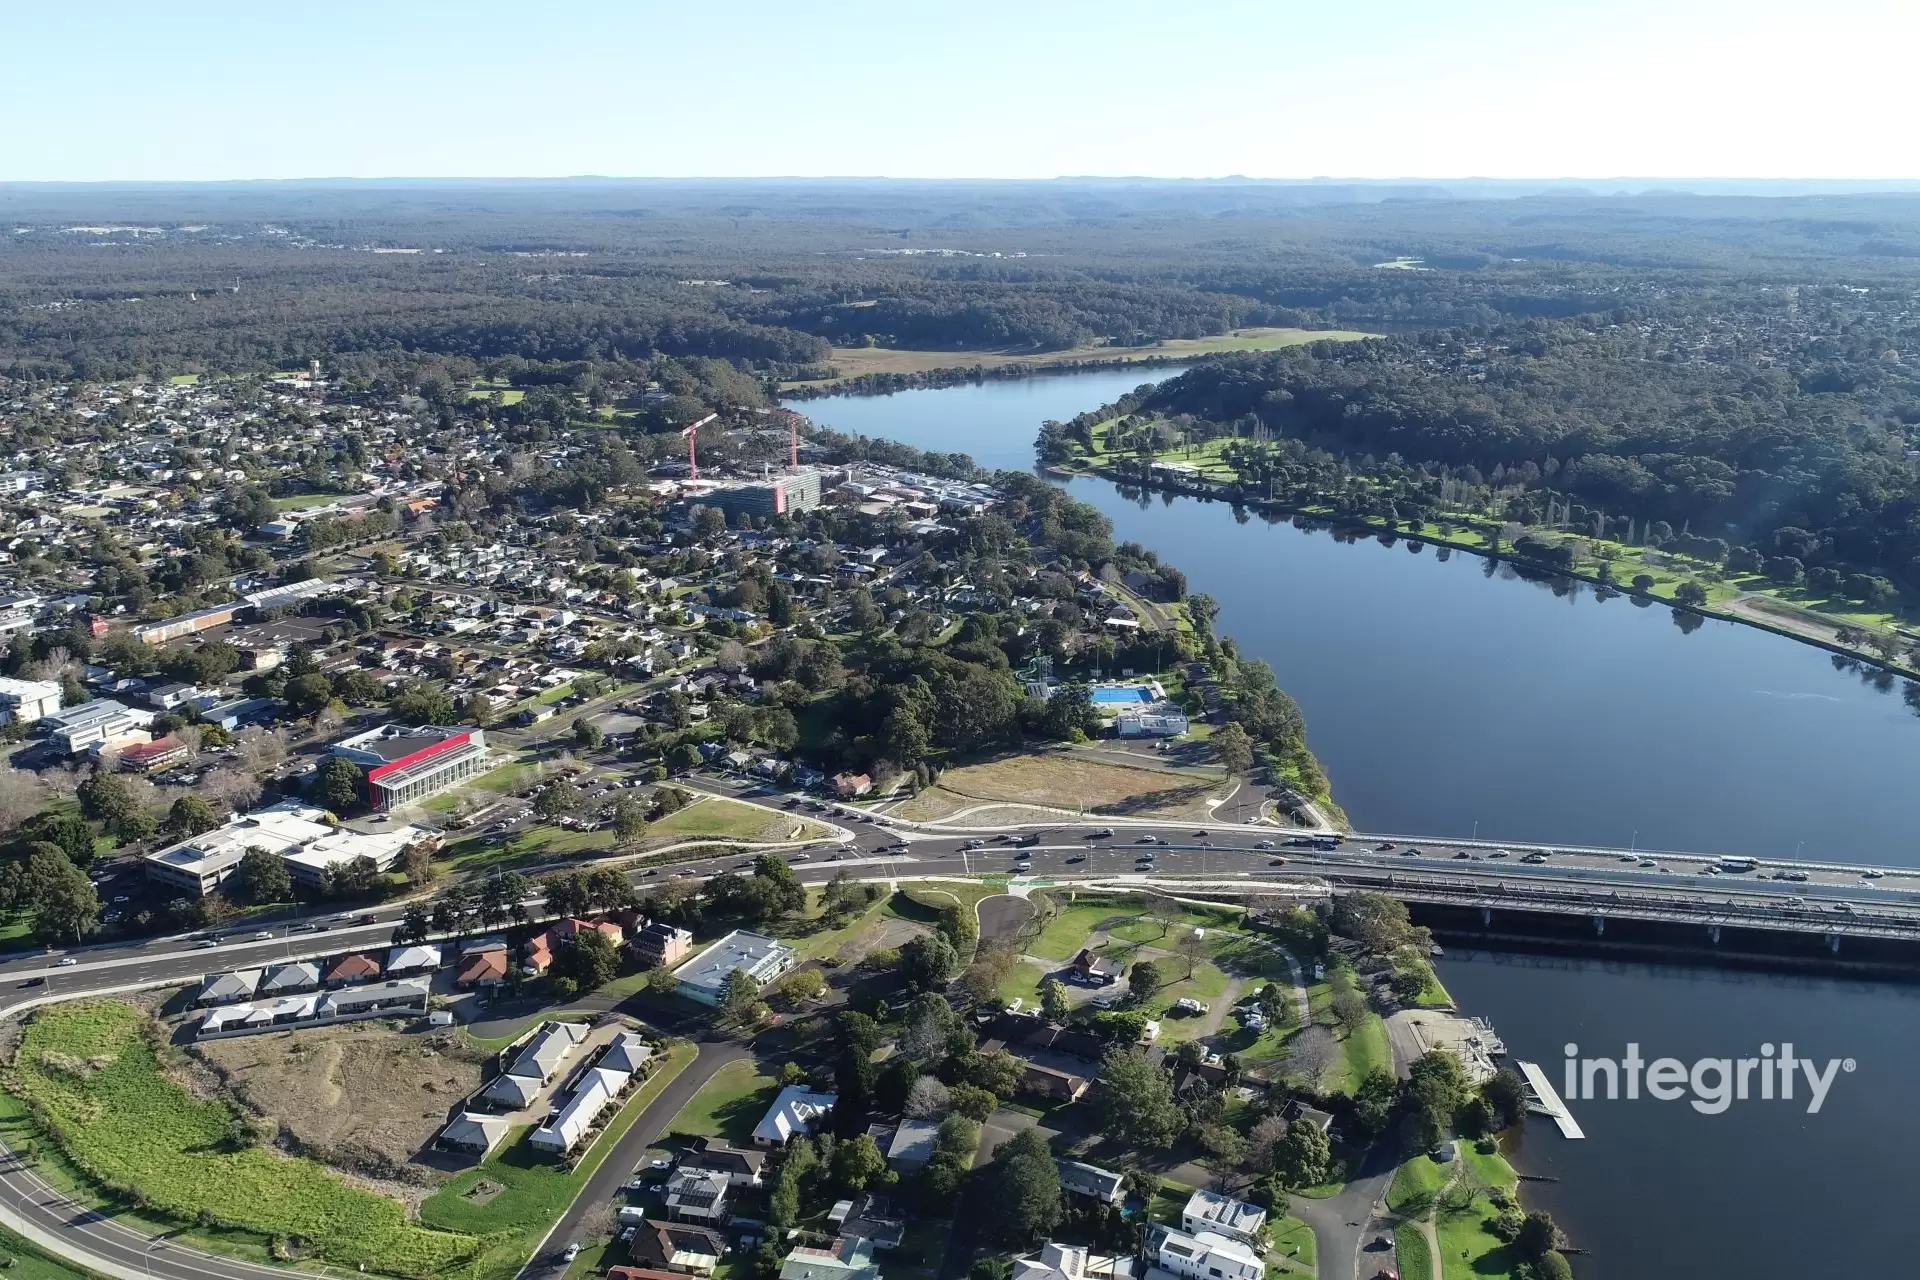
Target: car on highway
[(1461, 853), (1499, 853), (1078, 857), (1264, 844), (1385, 846), (204, 943), (1022, 868), (66, 961), (972, 844), (1648, 862), (1871, 875), (1148, 840), (1104, 833), (1200, 835), (35, 981), (265, 935), (1278, 862)]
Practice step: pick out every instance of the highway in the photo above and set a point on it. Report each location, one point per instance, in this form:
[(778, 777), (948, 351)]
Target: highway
[(1150, 854)]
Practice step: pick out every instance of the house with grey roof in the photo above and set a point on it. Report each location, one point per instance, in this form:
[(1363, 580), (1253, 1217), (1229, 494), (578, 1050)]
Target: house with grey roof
[(229, 988), (287, 979)]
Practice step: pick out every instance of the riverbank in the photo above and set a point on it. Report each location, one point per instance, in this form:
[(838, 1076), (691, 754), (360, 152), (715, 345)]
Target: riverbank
[(884, 370), (1654, 580)]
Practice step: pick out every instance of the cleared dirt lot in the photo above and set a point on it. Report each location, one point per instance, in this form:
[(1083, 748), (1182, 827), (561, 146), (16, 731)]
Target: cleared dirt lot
[(1061, 781), (363, 1097)]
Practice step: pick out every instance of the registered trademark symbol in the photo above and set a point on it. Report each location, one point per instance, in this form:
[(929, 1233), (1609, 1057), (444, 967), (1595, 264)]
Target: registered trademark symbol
[(1846, 1065)]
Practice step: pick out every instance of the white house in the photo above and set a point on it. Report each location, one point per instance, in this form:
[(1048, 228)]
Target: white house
[(1235, 1219), (795, 1110), (1206, 1255)]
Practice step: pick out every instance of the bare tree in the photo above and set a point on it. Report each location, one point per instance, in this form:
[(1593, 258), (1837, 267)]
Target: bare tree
[(732, 657), (234, 788), (928, 1098), (1165, 911), (1192, 948), (1269, 1130), (1309, 1054), (21, 796)]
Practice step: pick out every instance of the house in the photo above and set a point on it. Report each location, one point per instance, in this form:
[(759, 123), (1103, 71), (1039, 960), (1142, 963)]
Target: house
[(850, 1258), (542, 947), (482, 968), (1223, 1215), (353, 968), (471, 1132), (414, 959), (287, 979), (228, 988), (742, 1168), (912, 1145), (849, 785), (595, 1092), (1071, 1262), (1096, 971), (1091, 1182), (678, 1246), (536, 1065), (1205, 1256), (796, 1109), (658, 944), (698, 1195), (627, 1052), (704, 978), (149, 757), (1298, 1112), (872, 1218)]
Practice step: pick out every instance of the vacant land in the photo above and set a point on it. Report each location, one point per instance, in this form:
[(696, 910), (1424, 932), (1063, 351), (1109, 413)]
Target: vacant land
[(729, 1105), (852, 362), (715, 819), (516, 1195), (1060, 780), (91, 1070), (363, 1097)]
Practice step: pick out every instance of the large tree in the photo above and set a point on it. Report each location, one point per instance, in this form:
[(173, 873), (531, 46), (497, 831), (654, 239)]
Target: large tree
[(1024, 1186), (1137, 1099), (262, 876)]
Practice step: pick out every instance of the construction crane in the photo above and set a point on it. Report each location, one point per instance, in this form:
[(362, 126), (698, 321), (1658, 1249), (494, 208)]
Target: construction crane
[(693, 463), (793, 436)]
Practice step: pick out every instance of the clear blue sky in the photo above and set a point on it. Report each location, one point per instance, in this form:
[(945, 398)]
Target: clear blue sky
[(112, 89)]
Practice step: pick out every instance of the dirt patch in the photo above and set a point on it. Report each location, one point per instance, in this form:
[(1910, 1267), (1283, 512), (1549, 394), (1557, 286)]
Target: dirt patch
[(364, 1098), (882, 934), (1003, 917), (1063, 781)]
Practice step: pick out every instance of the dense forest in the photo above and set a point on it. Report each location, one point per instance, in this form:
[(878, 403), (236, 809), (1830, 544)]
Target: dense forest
[(111, 282)]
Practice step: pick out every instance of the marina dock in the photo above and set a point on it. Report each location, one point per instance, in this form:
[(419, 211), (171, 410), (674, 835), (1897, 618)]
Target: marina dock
[(1546, 1102)]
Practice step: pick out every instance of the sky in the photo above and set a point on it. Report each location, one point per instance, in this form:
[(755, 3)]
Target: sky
[(119, 90)]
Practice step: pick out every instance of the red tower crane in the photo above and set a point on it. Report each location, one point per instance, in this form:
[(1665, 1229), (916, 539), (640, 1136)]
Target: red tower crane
[(793, 437), (693, 463)]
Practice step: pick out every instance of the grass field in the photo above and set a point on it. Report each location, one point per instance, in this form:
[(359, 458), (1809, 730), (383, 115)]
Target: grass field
[(1067, 932), (304, 501), (92, 1072), (22, 1260), (536, 1190), (1061, 780), (1416, 1184), (852, 362), (1292, 1238), (726, 820), (1410, 1250), (729, 1105)]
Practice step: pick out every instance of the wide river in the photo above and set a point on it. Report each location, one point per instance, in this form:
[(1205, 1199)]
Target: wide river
[(1441, 696), (1444, 699)]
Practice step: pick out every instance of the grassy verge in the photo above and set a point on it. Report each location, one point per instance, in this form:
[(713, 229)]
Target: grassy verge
[(535, 1189), (92, 1071), (22, 1260), (1292, 1238), (1416, 1185), (1411, 1252), (729, 1105)]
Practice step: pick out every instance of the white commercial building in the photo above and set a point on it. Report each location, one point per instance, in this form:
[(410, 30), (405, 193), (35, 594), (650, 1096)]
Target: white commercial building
[(704, 978), (91, 723), (297, 833), (27, 700)]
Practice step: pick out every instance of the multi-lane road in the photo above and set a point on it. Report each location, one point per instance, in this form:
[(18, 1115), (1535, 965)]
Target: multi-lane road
[(1161, 854)]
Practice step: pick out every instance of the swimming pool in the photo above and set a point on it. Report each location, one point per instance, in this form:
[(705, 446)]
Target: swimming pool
[(1125, 694)]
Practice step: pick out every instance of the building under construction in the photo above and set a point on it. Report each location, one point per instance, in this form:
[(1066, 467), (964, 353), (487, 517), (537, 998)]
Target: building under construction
[(785, 492)]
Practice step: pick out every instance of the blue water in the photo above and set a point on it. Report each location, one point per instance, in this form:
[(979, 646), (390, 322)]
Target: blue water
[(1109, 697)]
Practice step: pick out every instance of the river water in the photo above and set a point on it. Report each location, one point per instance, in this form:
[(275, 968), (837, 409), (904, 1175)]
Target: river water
[(1444, 698), (1441, 695)]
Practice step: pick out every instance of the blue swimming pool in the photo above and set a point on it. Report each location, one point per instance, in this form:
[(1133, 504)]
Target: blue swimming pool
[(1130, 693)]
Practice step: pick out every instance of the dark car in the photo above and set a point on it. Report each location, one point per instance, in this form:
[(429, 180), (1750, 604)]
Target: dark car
[(1104, 833)]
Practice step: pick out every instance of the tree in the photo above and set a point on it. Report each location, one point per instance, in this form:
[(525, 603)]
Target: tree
[(415, 924), (1434, 1091), (422, 703), (1138, 1100), (859, 1164), (106, 797), (740, 996), (1309, 1054), (592, 960), (339, 784), (586, 733), (927, 962), (67, 832), (1053, 1001), (1506, 1092), (1143, 979), (560, 796), (1301, 1159), (1025, 1190), (973, 1102), (63, 903), (307, 694), (1192, 948), (1373, 1102), (629, 820), (998, 1072), (1690, 593), (190, 816), (1234, 747), (417, 861), (803, 985), (262, 876)]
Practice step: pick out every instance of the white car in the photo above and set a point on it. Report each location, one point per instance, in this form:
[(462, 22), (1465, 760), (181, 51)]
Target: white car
[(65, 961), (1264, 844), (572, 1252)]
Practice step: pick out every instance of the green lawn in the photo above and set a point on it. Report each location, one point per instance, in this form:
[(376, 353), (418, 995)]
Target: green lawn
[(536, 1188), (729, 1105), (1067, 932), (92, 1074), (1023, 982), (303, 501), (1410, 1250), (813, 939), (1415, 1185), (22, 1260), (1292, 1238), (508, 777), (1361, 1053)]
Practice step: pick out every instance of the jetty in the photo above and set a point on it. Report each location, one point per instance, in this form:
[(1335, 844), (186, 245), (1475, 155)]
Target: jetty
[(1544, 1101)]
